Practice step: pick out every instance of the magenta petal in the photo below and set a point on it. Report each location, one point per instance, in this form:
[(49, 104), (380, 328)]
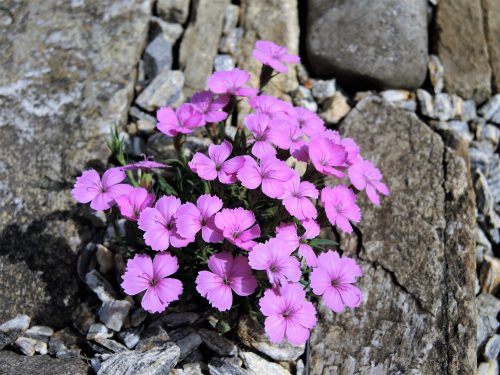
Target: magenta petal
[(151, 301), (168, 290), (275, 327)]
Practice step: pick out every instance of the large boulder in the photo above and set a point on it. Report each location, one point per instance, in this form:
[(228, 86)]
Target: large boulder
[(417, 253), (461, 46), (491, 16), (15, 364), (370, 43), (67, 71)]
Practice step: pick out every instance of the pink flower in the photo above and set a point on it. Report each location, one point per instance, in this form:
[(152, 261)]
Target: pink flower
[(158, 223), (269, 106), (101, 193), (296, 198), (182, 121), (272, 173), (349, 145), (209, 106), (227, 274), (217, 165), (133, 203), (142, 274), (333, 279), (274, 257), (288, 136), (258, 124), (288, 314), (191, 219), (147, 163), (238, 227), (326, 156), (309, 122), (273, 55), (365, 176), (231, 82), (340, 206), (287, 232)]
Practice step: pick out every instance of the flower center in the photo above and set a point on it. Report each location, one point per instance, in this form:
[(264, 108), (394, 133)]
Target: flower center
[(153, 282)]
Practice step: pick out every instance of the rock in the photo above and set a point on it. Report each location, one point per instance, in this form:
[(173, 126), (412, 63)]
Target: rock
[(257, 365), (130, 337), (138, 316), (488, 368), (303, 98), (461, 46), (436, 73), (14, 364), (176, 319), (492, 348), (490, 275), (485, 202), (105, 259), (145, 123), (157, 56), (335, 109), (26, 345), (419, 275), (164, 90), (218, 366), (489, 133), (42, 333), (192, 369), (112, 345), (98, 330), (113, 313), (20, 323), (152, 337), (426, 103), (173, 10), (170, 30), (231, 17), (188, 344), (459, 127), (491, 110), (156, 361), (491, 18), (200, 42), (100, 286), (217, 343), (68, 45), (83, 317), (468, 111), (68, 354), (223, 62), (385, 47), (62, 342), (300, 368), (443, 107), (252, 335), (483, 246), (323, 90), (230, 41), (400, 98)]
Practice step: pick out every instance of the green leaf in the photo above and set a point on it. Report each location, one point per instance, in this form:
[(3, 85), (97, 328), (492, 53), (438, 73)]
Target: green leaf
[(223, 326), (321, 243)]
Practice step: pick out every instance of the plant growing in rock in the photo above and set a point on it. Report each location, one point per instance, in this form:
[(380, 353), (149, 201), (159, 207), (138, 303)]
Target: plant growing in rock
[(240, 224)]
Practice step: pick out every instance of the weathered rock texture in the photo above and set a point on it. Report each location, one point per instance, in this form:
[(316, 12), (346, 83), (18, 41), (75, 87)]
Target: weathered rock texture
[(15, 364), (491, 16), (461, 46), (417, 253), (381, 43), (67, 70)]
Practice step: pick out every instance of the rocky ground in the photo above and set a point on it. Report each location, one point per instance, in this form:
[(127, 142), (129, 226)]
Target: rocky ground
[(416, 85)]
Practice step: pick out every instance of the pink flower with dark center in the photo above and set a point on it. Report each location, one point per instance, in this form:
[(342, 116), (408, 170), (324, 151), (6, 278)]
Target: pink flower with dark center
[(191, 219), (340, 206), (227, 275), (274, 257), (238, 227), (365, 176), (271, 173), (217, 165), (309, 122), (182, 121), (333, 279), (142, 274), (273, 55), (231, 82), (101, 193), (210, 106), (327, 156), (258, 124), (269, 106), (158, 223), (288, 314), (147, 163), (288, 136), (287, 232), (133, 203), (296, 198)]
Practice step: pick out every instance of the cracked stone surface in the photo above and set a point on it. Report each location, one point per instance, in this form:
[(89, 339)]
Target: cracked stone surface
[(67, 71), (417, 253)]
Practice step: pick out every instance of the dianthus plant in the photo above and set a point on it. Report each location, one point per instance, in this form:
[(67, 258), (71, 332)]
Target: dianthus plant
[(238, 225)]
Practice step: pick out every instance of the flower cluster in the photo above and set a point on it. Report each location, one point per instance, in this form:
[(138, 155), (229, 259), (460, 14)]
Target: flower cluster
[(250, 224)]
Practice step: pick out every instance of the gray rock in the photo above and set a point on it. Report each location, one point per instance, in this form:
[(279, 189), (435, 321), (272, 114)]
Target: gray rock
[(157, 56), (303, 97), (217, 343), (164, 90), (188, 344), (491, 18), (300, 368), (489, 133), (112, 345), (146, 124), (105, 259), (177, 319), (199, 45), (492, 348), (137, 147), (191, 369), (63, 342), (400, 98), (256, 365), (223, 62), (100, 286), (488, 307), (335, 109), (218, 366), (426, 103), (230, 41), (436, 73), (89, 54), (98, 330), (173, 10), (469, 110), (323, 90), (435, 209), (152, 337), (459, 127), (156, 361), (488, 368), (252, 335), (113, 313), (231, 17), (20, 323), (443, 107), (138, 316), (483, 246), (130, 337), (485, 202), (42, 333), (26, 345), (386, 46), (461, 46), (491, 109), (14, 364), (170, 30), (83, 317)]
